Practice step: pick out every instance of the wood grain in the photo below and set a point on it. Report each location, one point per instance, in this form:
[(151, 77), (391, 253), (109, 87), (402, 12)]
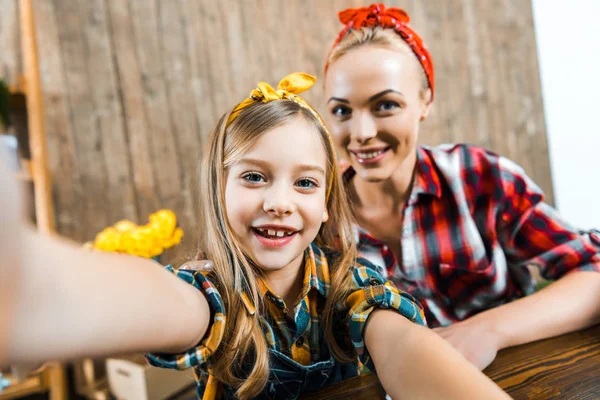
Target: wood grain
[(565, 367), (364, 387)]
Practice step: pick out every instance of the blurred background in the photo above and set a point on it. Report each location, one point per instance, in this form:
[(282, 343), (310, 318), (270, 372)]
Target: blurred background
[(132, 88)]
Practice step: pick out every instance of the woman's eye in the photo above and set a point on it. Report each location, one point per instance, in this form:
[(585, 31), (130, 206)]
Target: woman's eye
[(307, 183), (253, 177), (341, 111), (386, 106)]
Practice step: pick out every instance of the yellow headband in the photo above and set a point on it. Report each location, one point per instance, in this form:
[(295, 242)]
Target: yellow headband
[(288, 89)]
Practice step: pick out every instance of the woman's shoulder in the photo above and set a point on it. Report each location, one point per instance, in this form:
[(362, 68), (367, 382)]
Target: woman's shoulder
[(468, 164), (460, 154)]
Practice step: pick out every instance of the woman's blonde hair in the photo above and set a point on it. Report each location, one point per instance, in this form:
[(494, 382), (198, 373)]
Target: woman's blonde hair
[(382, 37), (244, 345)]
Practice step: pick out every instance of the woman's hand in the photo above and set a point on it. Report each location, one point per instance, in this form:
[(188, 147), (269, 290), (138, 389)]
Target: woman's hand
[(474, 339)]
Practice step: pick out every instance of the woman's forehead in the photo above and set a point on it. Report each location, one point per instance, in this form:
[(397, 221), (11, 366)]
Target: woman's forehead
[(368, 70)]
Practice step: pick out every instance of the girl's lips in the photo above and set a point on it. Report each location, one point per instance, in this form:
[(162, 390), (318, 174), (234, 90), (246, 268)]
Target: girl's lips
[(369, 157), (274, 241)]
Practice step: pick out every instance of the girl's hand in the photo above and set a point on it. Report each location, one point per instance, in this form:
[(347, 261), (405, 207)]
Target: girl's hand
[(198, 265), (474, 339)]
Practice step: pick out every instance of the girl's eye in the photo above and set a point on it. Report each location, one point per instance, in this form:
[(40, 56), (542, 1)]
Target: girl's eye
[(386, 106), (341, 111), (253, 177), (307, 183)]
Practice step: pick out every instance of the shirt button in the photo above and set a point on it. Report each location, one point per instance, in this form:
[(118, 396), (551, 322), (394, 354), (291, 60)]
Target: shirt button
[(374, 281), (300, 341)]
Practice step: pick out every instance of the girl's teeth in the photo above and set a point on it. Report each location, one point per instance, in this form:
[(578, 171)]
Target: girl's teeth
[(275, 233)]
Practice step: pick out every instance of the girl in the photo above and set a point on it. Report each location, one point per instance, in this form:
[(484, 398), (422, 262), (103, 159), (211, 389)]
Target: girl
[(287, 307), (456, 225)]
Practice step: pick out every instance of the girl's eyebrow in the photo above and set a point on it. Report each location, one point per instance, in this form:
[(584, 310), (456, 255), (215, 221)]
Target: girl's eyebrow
[(266, 164), (310, 167)]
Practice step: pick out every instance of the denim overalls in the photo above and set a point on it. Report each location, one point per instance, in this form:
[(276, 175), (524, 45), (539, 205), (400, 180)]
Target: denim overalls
[(290, 380)]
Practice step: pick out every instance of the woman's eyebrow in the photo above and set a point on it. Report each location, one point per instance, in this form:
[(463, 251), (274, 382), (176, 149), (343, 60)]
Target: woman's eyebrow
[(383, 93)]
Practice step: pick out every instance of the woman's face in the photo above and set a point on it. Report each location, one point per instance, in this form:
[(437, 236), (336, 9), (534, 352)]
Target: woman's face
[(374, 106)]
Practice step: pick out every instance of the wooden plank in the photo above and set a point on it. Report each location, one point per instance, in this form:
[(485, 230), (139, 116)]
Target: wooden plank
[(92, 200), (164, 144), (107, 120), (563, 367), (59, 129), (10, 43), (531, 126), (132, 93), (176, 45)]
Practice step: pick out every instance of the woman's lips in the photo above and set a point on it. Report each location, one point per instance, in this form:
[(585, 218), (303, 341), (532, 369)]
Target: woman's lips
[(367, 157)]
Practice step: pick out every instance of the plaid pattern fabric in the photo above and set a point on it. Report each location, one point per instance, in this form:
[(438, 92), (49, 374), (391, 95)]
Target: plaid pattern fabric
[(301, 338), (473, 223)]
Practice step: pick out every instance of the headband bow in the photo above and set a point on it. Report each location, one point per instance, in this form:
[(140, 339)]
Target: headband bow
[(376, 14), (390, 18), (288, 89)]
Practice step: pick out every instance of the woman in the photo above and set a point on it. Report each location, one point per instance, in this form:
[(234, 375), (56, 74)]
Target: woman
[(456, 226)]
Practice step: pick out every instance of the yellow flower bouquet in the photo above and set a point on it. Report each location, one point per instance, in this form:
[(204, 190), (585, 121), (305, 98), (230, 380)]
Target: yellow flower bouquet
[(148, 241)]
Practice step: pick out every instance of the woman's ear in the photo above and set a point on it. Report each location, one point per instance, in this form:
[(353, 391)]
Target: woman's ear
[(426, 103), (325, 216)]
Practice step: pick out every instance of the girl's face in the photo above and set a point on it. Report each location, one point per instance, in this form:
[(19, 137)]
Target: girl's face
[(275, 195), (374, 108)]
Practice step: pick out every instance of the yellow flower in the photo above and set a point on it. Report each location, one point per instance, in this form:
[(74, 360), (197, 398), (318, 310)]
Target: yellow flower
[(148, 240), (125, 226)]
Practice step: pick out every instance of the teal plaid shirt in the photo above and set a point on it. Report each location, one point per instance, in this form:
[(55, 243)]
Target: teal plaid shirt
[(302, 338)]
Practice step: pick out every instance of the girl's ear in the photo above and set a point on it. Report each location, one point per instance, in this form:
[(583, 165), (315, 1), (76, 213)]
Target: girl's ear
[(325, 216)]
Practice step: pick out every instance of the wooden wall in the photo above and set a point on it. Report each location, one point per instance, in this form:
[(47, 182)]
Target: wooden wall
[(133, 87)]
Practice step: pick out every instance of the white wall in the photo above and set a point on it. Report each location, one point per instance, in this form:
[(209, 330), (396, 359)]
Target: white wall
[(568, 43)]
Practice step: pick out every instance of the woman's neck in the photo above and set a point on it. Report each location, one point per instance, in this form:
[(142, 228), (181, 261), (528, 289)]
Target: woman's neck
[(393, 190)]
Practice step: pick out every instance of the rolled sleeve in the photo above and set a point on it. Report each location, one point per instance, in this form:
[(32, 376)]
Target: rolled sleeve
[(198, 355), (372, 291), (534, 233)]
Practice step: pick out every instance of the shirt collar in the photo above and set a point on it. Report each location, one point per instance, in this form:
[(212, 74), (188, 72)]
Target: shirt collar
[(316, 276), (427, 178)]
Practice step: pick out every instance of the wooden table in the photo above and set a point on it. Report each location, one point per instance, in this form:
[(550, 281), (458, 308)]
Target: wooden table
[(565, 367)]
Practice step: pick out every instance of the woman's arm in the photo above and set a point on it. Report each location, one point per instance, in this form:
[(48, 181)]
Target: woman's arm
[(412, 362), (567, 305)]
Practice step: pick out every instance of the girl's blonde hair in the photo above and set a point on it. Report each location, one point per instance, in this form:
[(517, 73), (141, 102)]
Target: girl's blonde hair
[(382, 37), (244, 347)]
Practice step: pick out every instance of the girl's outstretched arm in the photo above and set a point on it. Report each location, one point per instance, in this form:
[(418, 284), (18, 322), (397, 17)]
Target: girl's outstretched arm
[(66, 302), (413, 362)]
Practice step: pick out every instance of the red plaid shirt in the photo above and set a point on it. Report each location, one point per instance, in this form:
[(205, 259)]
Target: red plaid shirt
[(473, 223)]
